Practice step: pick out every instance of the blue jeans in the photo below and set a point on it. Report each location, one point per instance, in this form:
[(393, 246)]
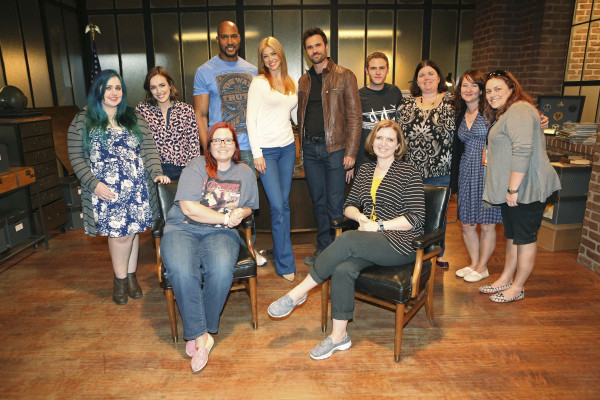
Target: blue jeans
[(443, 180), (200, 261), (326, 179), (277, 182)]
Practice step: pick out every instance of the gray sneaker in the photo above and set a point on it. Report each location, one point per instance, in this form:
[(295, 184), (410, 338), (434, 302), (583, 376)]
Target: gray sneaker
[(284, 306), (310, 260), (326, 348)]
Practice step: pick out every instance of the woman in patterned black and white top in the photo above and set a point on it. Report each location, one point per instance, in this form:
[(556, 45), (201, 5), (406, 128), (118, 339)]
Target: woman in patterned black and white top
[(427, 119), (387, 200)]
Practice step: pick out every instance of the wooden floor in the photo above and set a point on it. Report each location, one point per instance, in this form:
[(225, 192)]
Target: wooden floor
[(62, 337)]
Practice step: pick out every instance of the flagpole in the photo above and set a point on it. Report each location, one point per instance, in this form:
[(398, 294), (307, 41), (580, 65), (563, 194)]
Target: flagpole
[(92, 29)]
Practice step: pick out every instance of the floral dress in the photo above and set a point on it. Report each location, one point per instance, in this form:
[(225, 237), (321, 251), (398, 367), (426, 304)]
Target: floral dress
[(471, 176), (117, 163)]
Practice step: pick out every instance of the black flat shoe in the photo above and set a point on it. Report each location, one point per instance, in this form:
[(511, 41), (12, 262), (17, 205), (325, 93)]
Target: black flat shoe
[(442, 264)]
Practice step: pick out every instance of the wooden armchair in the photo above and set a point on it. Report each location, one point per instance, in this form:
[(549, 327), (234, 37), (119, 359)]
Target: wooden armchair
[(404, 288), (244, 274)]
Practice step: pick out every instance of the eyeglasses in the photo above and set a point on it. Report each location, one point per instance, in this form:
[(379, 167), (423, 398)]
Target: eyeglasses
[(227, 141), (498, 72)]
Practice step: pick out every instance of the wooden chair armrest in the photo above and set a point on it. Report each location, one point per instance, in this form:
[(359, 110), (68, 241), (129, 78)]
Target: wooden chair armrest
[(158, 258), (246, 226), (416, 276), (248, 222), (157, 228), (341, 223)]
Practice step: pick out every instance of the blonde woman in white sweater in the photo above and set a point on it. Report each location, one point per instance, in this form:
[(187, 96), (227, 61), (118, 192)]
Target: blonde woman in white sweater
[(271, 98)]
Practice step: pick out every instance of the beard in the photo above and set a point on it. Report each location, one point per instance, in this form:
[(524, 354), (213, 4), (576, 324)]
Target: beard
[(225, 51), (318, 58)]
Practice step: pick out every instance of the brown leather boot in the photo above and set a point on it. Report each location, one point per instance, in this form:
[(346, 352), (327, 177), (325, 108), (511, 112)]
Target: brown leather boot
[(120, 291), (135, 291)]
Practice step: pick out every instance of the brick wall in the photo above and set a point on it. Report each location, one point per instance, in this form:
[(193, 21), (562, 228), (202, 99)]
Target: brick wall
[(589, 247), (560, 146), (528, 38), (579, 38)]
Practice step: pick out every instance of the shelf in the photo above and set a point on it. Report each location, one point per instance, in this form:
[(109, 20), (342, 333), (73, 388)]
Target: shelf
[(31, 242)]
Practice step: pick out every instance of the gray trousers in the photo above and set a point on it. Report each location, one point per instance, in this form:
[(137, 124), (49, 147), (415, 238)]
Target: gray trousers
[(343, 260)]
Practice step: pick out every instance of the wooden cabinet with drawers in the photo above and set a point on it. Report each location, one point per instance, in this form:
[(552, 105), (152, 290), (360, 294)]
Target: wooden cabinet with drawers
[(29, 142), (18, 229)]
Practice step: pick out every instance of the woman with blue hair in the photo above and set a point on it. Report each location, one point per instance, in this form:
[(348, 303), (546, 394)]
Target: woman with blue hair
[(114, 156)]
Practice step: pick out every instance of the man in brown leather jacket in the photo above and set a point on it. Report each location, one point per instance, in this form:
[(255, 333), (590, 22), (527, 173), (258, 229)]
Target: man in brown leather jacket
[(329, 122)]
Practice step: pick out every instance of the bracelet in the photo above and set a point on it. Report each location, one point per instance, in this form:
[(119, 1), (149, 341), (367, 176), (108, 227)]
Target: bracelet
[(226, 219), (381, 227)]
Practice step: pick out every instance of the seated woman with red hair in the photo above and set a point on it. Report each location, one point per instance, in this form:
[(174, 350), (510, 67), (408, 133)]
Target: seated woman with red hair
[(199, 245)]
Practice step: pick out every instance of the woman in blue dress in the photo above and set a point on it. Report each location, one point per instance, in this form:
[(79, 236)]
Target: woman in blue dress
[(469, 103), (113, 154)]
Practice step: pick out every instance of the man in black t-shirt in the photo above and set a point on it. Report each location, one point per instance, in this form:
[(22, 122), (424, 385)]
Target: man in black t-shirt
[(379, 100)]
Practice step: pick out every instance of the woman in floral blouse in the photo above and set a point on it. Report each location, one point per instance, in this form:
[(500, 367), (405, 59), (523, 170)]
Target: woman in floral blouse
[(172, 123), (428, 122)]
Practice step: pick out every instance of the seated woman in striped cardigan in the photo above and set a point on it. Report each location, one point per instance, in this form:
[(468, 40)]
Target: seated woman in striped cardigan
[(387, 200)]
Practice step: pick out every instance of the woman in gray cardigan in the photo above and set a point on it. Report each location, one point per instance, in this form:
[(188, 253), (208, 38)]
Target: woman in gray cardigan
[(113, 154), (519, 178)]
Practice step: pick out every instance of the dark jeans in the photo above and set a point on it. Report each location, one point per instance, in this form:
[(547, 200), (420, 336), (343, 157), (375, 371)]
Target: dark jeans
[(172, 171), (246, 158), (326, 179), (343, 260), (443, 180)]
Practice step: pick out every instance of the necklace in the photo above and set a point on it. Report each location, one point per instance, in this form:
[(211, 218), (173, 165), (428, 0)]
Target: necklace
[(429, 106), (470, 117)]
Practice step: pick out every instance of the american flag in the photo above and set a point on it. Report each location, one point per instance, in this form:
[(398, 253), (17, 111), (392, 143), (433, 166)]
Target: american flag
[(95, 63)]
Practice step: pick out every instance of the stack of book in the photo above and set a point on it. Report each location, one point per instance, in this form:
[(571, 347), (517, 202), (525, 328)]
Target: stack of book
[(584, 132)]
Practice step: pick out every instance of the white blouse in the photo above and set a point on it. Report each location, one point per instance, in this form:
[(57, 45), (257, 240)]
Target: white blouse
[(268, 116)]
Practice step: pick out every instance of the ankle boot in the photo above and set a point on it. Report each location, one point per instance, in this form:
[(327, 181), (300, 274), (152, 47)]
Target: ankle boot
[(135, 291), (120, 291)]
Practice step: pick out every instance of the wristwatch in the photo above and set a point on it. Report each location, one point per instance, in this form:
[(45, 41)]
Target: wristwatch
[(510, 191), (381, 227)]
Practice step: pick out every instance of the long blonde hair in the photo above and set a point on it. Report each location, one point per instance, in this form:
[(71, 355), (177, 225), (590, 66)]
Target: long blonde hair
[(288, 83)]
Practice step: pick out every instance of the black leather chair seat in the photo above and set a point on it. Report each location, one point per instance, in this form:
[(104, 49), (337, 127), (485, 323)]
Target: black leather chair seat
[(391, 283), (245, 268)]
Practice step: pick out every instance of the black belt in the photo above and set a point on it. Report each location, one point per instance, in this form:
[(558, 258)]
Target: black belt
[(315, 139)]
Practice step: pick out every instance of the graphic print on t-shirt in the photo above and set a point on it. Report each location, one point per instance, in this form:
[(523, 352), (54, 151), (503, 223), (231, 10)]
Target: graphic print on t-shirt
[(233, 89), (221, 196), (372, 117)]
